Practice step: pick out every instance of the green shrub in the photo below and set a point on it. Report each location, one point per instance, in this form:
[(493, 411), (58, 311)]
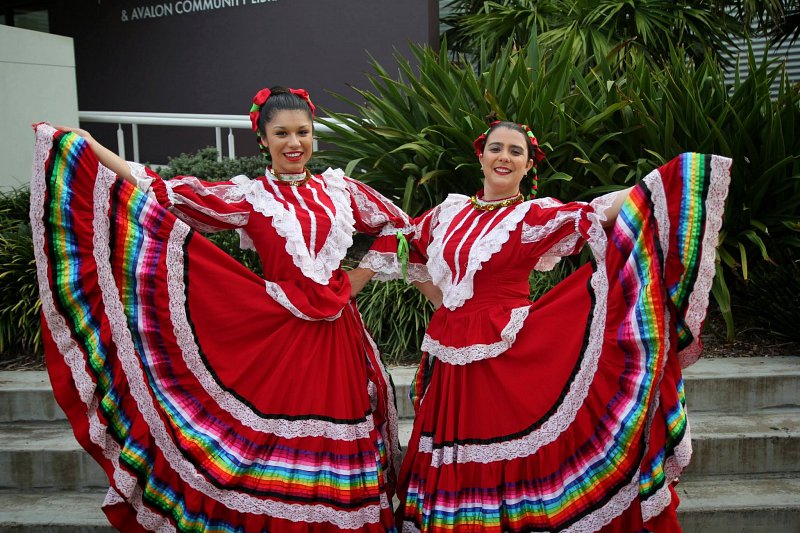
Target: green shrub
[(598, 29), (412, 139), (20, 333), (691, 107), (590, 28), (773, 295), (204, 165), (396, 314), (603, 129)]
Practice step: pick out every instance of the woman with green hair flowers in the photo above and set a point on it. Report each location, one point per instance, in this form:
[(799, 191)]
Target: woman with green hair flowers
[(566, 413), (216, 400)]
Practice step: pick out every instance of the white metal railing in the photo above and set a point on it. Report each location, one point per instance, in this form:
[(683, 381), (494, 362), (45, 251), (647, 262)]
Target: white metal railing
[(218, 122)]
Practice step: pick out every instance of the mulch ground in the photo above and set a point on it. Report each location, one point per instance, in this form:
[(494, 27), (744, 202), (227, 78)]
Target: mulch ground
[(751, 339)]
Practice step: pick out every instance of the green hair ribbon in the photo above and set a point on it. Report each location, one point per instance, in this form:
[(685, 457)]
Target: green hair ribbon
[(402, 252)]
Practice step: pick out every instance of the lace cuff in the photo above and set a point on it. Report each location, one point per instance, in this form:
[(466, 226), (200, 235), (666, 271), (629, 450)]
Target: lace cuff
[(143, 180), (387, 267), (277, 293), (601, 203)]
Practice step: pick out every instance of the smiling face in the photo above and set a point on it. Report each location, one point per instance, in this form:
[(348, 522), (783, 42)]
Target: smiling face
[(504, 162), (289, 138)]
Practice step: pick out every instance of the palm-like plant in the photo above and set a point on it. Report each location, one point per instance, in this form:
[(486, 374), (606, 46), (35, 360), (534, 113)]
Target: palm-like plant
[(412, 137), (785, 24), (596, 29), (603, 128)]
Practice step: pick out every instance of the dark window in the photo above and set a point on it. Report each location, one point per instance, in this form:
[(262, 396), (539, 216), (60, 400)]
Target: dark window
[(32, 19)]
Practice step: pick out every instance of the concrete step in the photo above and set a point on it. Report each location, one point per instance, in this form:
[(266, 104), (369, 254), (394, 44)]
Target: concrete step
[(403, 377), (53, 512), (740, 505), (722, 385), (712, 505), (45, 455), (760, 443), (27, 395), (742, 384), (752, 443)]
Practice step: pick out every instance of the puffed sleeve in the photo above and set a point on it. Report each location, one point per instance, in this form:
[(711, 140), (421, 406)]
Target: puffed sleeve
[(205, 206), (552, 230), (377, 216), (423, 231)]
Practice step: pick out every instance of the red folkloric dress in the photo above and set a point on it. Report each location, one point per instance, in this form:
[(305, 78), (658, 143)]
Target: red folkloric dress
[(565, 414), (216, 400)]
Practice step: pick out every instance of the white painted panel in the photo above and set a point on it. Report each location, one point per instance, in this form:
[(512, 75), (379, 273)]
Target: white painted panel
[(37, 83)]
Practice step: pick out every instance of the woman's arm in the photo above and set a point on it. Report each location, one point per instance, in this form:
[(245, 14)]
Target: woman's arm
[(430, 291), (359, 277), (106, 157), (612, 211), (378, 216), (206, 206)]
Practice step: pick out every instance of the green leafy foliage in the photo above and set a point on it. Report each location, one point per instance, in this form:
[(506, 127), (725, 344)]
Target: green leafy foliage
[(758, 129), (19, 300), (603, 128), (396, 314), (541, 282), (596, 29), (604, 122), (204, 165)]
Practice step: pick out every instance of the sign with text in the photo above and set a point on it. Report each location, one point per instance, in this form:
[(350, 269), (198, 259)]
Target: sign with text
[(212, 56), (182, 7)]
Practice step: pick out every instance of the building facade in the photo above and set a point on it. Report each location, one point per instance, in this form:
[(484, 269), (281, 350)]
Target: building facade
[(212, 56)]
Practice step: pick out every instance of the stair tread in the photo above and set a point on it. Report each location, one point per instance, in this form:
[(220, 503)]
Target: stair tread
[(697, 495), (24, 380), (783, 422), (52, 508), (736, 493), (743, 368), (718, 368), (709, 425), (53, 435)]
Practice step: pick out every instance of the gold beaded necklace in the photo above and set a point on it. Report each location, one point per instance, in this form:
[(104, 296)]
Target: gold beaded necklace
[(295, 180), (484, 205)]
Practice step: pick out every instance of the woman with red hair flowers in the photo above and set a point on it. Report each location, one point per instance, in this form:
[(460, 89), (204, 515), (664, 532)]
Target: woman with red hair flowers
[(216, 400), (566, 413)]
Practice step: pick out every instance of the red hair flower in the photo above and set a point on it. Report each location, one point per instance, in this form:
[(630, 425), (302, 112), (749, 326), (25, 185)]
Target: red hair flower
[(263, 95), (302, 93), (258, 100)]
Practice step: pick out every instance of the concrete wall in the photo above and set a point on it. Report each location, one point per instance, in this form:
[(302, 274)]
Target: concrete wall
[(37, 83)]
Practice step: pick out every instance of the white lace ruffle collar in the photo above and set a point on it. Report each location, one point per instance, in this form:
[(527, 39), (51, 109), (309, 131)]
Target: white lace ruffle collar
[(317, 267), (455, 294)]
